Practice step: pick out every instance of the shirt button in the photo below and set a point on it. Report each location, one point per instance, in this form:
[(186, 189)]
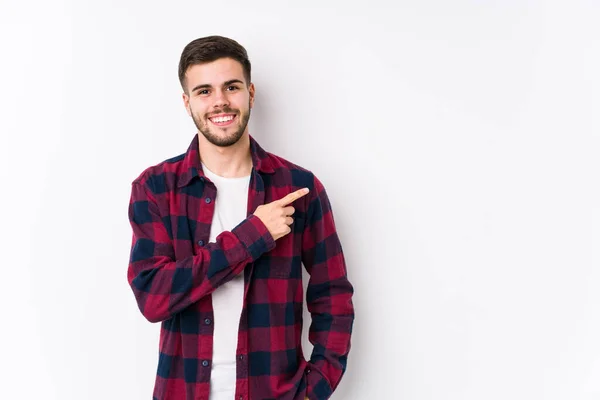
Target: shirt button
[(241, 356), (200, 242), (207, 321), (205, 363), (207, 200)]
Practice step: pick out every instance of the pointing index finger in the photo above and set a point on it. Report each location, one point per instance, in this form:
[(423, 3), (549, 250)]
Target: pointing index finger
[(293, 196)]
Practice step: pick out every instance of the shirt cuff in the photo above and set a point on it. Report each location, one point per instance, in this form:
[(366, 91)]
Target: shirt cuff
[(255, 236), (318, 386)]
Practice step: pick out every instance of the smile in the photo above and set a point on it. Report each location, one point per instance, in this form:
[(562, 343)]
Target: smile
[(222, 120)]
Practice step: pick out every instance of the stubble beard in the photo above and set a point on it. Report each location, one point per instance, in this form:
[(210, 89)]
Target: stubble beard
[(207, 129)]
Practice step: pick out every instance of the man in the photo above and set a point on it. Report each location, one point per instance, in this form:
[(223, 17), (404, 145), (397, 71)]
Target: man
[(219, 237)]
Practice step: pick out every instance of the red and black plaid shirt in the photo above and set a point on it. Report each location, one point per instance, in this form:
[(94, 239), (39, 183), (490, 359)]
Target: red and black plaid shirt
[(173, 270)]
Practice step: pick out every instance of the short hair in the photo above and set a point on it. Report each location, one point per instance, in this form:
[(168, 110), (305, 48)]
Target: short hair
[(211, 48)]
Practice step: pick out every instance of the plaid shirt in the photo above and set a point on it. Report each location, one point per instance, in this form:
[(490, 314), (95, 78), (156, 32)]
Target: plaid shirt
[(173, 270)]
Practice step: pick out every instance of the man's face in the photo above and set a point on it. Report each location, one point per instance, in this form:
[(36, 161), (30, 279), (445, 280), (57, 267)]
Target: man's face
[(219, 100)]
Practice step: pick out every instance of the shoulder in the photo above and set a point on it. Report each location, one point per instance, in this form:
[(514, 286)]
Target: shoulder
[(163, 176)]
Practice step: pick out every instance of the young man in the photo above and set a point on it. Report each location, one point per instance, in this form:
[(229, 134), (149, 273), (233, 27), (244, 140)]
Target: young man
[(220, 234)]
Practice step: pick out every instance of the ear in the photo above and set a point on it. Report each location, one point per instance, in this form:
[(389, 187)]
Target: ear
[(252, 91), (186, 103)]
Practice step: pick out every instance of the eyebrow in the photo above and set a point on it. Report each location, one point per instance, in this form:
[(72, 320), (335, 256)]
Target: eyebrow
[(207, 85)]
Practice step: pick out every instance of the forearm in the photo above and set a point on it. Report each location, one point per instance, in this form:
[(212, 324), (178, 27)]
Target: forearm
[(330, 332), (163, 286)]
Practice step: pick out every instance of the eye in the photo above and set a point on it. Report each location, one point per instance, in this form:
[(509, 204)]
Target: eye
[(232, 87), (203, 91)]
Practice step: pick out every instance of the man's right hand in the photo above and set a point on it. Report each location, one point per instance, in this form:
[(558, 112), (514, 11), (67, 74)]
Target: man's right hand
[(277, 215)]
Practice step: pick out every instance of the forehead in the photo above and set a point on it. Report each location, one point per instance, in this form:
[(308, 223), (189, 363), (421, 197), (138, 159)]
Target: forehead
[(214, 73)]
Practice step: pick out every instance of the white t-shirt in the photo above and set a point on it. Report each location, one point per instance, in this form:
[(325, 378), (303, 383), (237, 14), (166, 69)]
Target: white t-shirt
[(231, 206)]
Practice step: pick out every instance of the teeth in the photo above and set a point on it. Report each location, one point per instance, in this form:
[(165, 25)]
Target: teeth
[(223, 119)]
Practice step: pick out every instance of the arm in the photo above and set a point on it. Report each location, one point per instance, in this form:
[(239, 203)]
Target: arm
[(328, 297), (164, 286)]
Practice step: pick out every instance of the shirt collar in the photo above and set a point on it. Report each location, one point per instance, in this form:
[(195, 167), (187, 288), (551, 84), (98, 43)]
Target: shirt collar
[(192, 166)]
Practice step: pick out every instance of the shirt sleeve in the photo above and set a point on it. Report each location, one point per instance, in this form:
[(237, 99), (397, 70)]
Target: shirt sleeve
[(328, 297), (163, 285)]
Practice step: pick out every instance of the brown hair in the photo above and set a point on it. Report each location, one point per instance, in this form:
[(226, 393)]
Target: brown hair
[(211, 48)]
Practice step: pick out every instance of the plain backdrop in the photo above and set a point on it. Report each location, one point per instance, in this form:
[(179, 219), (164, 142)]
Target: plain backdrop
[(458, 141)]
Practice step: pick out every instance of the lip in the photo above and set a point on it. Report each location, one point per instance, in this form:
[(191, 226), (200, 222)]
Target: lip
[(222, 115)]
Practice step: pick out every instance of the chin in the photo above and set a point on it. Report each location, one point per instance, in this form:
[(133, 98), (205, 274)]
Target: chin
[(222, 139)]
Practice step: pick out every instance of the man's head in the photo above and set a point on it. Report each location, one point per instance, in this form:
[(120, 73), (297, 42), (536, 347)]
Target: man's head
[(214, 73)]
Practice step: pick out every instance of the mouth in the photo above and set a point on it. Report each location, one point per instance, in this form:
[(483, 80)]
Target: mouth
[(223, 119)]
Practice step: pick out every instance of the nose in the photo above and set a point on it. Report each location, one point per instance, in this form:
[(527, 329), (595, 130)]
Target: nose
[(220, 99)]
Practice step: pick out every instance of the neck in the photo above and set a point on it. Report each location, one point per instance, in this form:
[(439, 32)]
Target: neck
[(230, 162)]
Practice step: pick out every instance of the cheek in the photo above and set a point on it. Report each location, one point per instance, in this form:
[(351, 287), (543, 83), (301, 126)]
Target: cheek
[(196, 109), (244, 104)]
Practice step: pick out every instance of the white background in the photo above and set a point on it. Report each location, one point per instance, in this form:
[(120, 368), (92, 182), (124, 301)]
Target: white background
[(459, 143)]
